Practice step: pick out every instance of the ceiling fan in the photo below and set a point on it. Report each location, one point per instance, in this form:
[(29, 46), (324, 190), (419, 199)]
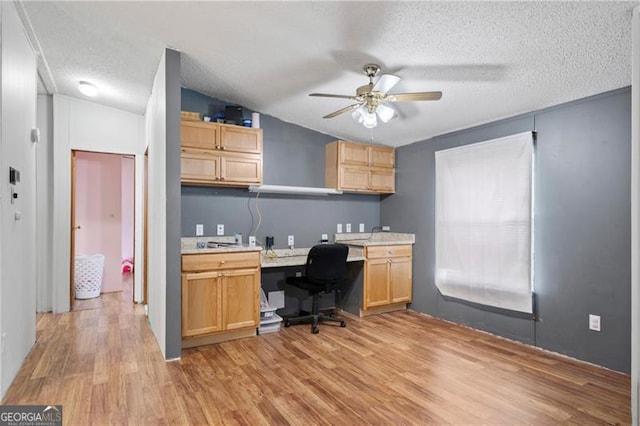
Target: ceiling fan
[(372, 99)]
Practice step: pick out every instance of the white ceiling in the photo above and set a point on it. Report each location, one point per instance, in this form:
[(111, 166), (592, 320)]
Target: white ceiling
[(490, 59)]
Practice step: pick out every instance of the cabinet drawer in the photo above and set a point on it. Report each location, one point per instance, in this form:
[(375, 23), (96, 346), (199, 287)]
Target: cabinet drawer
[(216, 261), (375, 252)]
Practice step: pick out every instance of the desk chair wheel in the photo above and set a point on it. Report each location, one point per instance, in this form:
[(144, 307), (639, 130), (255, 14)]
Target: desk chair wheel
[(286, 322), (343, 324), (315, 330)]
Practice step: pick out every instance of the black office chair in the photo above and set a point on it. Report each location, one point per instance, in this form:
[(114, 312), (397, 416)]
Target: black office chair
[(326, 271)]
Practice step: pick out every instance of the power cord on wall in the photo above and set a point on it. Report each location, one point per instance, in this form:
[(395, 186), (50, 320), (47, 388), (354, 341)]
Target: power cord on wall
[(268, 251)]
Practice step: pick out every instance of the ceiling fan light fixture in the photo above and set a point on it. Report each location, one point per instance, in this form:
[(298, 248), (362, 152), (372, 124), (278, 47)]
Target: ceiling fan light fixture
[(385, 112), (87, 89), (364, 117)]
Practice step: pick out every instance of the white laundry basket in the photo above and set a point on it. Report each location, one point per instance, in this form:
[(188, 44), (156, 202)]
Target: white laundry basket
[(88, 276)]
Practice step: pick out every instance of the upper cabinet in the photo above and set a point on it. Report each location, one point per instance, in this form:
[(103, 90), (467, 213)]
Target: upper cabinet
[(220, 154), (359, 167)]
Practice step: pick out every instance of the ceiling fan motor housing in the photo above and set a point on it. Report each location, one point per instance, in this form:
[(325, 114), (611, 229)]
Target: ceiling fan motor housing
[(371, 70)]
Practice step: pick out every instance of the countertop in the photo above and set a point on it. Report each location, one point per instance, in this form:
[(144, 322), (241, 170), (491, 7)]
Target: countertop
[(375, 239), (227, 244), (271, 259), (297, 256)]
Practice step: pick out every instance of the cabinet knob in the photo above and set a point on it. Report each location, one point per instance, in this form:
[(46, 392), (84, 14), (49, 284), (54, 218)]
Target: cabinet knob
[(222, 262), (220, 274), (221, 177), (222, 148)]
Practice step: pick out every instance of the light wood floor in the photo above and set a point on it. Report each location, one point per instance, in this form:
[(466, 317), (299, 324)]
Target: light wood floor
[(104, 366)]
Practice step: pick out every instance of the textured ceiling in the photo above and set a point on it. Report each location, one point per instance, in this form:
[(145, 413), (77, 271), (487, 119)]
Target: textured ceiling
[(490, 59)]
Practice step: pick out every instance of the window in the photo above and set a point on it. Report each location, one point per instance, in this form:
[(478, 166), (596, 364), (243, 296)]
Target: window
[(484, 222)]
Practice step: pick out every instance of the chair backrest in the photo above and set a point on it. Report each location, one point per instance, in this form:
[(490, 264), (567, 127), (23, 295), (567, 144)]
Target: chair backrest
[(327, 265)]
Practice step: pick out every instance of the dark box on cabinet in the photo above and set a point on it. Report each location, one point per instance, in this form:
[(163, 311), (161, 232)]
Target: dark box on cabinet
[(235, 114)]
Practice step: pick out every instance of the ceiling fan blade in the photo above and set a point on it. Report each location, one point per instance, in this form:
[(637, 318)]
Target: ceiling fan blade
[(386, 83), (329, 95), (419, 96), (342, 110)]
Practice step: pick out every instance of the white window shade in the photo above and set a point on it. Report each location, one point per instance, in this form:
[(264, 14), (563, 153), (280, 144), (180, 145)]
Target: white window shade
[(484, 222)]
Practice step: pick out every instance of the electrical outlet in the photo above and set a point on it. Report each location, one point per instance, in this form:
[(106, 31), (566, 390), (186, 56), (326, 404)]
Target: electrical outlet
[(290, 241), (298, 274), (361, 227), (348, 226), (252, 241), (220, 229), (199, 230), (324, 238), (386, 228), (594, 322), (339, 228)]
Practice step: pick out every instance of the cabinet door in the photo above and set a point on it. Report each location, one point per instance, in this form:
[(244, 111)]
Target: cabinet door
[(199, 166), (241, 139), (381, 156), (201, 303), (238, 169), (400, 281), (376, 283), (382, 180), (240, 294), (354, 178), (354, 153), (198, 135)]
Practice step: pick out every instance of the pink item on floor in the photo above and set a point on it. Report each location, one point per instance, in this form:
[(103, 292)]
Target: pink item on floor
[(127, 265)]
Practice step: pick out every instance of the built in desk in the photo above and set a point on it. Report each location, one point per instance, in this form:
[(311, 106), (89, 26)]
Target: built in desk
[(379, 278)]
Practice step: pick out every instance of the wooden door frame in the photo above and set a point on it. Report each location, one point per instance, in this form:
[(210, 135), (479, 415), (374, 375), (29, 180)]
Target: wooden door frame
[(73, 226), (145, 230), (72, 257)]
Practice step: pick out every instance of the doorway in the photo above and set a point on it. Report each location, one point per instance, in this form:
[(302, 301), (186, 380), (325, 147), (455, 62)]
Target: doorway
[(102, 236)]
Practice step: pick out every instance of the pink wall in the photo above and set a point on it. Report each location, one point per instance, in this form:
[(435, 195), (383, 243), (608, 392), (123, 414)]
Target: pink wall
[(128, 177), (98, 212)]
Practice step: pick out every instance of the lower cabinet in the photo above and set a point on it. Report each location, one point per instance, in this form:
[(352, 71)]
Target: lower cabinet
[(387, 278), (201, 303), (220, 297)]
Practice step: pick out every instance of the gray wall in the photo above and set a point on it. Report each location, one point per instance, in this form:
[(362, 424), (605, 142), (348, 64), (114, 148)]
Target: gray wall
[(174, 283), (292, 156), (582, 228)]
